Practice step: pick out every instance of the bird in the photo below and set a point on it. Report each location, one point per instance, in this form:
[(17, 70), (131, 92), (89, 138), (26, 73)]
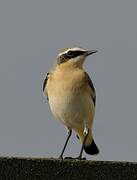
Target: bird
[(72, 97)]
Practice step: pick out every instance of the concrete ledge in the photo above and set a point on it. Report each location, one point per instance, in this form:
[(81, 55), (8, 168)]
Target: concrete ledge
[(53, 169)]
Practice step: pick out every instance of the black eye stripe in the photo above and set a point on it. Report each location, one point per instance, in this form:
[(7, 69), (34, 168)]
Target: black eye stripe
[(74, 54), (65, 57), (70, 53)]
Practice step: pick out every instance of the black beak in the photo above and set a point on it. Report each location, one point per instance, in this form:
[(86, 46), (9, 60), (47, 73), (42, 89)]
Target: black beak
[(87, 53)]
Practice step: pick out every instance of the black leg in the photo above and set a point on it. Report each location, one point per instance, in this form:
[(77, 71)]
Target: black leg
[(81, 151), (69, 134)]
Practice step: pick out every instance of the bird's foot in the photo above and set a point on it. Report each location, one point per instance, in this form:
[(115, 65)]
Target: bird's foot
[(68, 158), (76, 158), (80, 158), (60, 158)]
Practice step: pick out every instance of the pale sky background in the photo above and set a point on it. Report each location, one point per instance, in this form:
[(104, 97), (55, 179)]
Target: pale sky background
[(31, 33)]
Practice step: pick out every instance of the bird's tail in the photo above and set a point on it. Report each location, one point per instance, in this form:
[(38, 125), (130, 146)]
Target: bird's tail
[(91, 149)]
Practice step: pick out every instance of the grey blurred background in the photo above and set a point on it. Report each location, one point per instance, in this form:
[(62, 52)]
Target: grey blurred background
[(31, 33)]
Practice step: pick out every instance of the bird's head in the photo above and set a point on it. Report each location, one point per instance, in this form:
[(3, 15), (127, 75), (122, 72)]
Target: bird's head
[(74, 56)]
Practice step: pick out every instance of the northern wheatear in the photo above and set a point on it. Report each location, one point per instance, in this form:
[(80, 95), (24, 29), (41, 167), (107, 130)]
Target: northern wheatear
[(72, 97)]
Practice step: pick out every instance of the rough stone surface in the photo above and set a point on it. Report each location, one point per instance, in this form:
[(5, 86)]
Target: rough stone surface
[(53, 169)]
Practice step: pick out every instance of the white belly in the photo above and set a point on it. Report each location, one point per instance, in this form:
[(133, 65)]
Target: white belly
[(72, 110)]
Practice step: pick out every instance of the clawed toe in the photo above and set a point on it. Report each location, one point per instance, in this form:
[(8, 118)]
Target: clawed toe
[(76, 158), (79, 158), (60, 157), (68, 158)]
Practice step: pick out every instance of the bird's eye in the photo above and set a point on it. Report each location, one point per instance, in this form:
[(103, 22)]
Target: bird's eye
[(70, 53)]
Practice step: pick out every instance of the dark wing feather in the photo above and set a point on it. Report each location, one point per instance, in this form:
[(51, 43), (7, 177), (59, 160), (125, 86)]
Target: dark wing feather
[(45, 82), (93, 94)]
